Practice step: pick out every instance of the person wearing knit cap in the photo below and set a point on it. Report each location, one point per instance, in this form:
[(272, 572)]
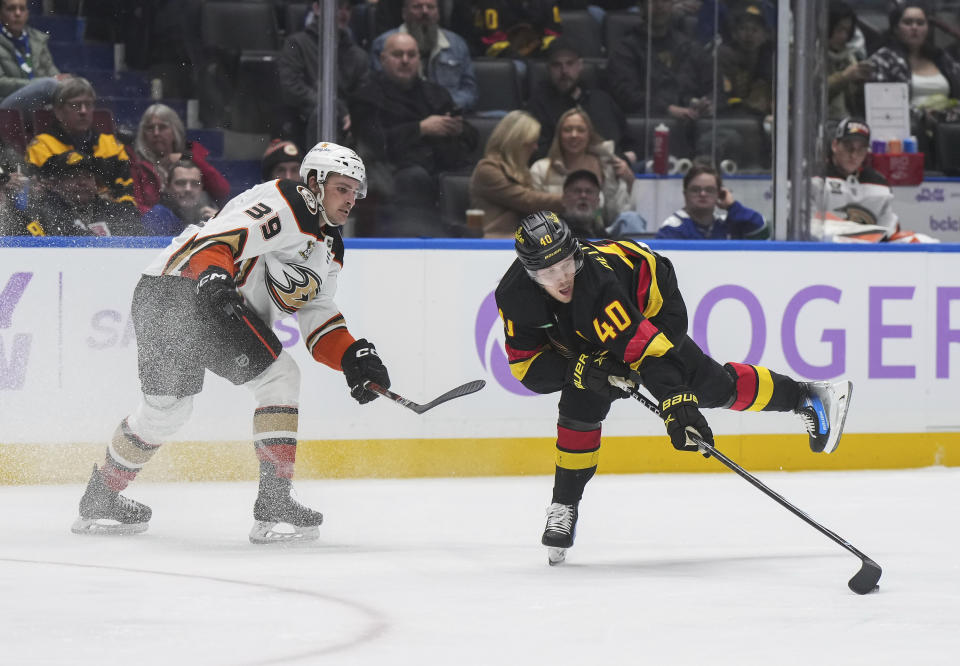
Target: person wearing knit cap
[(281, 159)]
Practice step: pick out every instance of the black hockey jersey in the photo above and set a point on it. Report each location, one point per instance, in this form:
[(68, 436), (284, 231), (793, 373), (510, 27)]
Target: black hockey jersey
[(625, 300)]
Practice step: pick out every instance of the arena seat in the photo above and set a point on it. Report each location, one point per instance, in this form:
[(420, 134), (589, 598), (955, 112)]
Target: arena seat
[(581, 27), (497, 84)]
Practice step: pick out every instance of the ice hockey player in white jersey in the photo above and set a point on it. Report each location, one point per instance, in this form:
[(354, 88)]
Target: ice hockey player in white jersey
[(208, 301), (853, 202)]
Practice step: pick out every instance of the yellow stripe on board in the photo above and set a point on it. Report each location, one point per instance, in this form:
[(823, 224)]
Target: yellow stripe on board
[(410, 458)]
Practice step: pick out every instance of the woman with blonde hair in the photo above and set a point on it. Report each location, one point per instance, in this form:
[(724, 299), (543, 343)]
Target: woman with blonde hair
[(160, 143), (501, 184), (576, 146)]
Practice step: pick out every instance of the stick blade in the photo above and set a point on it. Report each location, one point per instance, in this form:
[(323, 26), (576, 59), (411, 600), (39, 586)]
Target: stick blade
[(865, 580), (458, 392)]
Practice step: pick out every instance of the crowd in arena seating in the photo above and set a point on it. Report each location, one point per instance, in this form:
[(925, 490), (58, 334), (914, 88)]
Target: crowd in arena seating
[(506, 106)]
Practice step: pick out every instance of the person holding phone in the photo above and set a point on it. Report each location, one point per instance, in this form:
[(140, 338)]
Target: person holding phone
[(710, 211)]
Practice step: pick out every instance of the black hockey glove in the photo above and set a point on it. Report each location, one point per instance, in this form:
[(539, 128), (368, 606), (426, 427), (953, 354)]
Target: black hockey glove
[(593, 372), (681, 414), (361, 363), (239, 345), (217, 293)]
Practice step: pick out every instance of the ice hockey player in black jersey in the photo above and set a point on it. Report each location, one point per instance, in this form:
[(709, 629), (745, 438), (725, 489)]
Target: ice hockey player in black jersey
[(208, 301), (589, 319)]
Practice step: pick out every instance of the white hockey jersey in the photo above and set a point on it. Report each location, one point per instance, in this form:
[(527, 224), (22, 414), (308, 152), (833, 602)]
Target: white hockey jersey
[(286, 261), (842, 205)]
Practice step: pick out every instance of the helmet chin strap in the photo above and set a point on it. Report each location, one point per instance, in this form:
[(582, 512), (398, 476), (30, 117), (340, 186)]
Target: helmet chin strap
[(323, 211)]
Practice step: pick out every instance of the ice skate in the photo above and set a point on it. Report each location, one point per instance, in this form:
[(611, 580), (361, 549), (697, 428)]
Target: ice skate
[(560, 531), (275, 507), (823, 409), (105, 511)]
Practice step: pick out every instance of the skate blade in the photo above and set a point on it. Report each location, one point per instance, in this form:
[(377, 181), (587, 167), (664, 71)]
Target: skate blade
[(264, 532), (839, 418), (556, 555), (112, 528)]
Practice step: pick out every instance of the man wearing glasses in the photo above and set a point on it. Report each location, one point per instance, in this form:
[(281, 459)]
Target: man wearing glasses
[(711, 213), (73, 106)]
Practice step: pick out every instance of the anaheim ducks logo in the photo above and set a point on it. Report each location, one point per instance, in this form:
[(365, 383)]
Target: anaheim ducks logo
[(859, 214), (295, 287)]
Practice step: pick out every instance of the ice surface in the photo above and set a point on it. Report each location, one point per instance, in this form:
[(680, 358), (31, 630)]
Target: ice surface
[(667, 569)]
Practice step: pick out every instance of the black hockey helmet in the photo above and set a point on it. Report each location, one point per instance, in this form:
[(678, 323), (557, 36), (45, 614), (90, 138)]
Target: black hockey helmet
[(543, 239)]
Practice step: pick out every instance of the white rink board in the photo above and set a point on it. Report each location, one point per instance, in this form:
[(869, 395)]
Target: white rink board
[(882, 319)]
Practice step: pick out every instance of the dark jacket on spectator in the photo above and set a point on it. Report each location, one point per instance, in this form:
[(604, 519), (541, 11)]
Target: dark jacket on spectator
[(547, 104), (386, 122), (110, 160), (146, 180), (892, 65), (298, 69), (12, 78), (680, 73), (47, 214)]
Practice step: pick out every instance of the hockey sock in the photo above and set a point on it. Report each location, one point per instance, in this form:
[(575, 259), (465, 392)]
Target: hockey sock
[(127, 453), (578, 450), (760, 389), (275, 437)]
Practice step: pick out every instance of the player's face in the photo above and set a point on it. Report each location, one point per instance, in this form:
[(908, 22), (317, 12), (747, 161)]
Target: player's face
[(557, 280), (849, 154), (339, 197)]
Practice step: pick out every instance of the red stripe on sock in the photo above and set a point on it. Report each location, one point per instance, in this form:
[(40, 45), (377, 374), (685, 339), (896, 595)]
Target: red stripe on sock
[(282, 456), (114, 478), (746, 386), (576, 440)]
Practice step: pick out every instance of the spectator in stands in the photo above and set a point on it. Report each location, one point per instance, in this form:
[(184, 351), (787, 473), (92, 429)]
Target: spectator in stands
[(582, 209), (565, 89), (73, 108), (444, 55), (183, 202), (28, 76), (711, 213), (746, 65), (501, 184), (65, 201), (575, 146), (853, 202), (281, 159), (847, 71), (680, 76), (160, 143), (409, 130), (298, 68), (934, 77), (515, 28)]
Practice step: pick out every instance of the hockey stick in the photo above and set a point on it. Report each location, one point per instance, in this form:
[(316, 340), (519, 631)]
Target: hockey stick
[(863, 582), (459, 392)]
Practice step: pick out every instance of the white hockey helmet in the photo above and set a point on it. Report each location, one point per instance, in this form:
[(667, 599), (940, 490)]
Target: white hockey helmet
[(326, 158)]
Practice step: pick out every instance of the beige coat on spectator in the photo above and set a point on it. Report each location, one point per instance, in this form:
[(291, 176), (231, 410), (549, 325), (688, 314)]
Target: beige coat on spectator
[(504, 200), (614, 195)]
